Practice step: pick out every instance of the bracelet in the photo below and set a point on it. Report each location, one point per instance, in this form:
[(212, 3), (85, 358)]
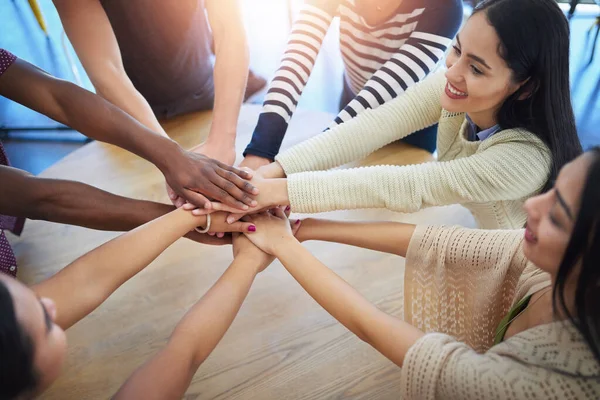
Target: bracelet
[(207, 225)]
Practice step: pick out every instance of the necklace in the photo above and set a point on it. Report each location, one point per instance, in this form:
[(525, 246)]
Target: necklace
[(501, 328)]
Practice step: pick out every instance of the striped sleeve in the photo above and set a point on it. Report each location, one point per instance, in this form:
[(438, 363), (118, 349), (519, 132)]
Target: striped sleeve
[(424, 48), (285, 89)]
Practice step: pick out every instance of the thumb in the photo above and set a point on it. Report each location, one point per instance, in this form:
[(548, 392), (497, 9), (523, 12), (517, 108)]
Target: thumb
[(280, 213), (242, 226)]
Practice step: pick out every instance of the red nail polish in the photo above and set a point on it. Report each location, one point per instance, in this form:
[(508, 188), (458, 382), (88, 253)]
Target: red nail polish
[(287, 208), (297, 222), (252, 228)]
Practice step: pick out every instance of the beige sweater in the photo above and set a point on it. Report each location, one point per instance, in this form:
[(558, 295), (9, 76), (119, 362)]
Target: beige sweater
[(492, 178), (462, 282)]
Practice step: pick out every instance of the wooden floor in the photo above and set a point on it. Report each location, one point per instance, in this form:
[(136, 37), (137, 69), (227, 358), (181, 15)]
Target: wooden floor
[(282, 345)]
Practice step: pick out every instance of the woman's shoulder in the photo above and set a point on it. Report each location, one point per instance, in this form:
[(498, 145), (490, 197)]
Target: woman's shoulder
[(517, 136), (558, 346)]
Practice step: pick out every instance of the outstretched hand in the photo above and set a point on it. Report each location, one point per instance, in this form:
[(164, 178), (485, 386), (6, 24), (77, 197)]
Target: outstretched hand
[(272, 228), (199, 180)]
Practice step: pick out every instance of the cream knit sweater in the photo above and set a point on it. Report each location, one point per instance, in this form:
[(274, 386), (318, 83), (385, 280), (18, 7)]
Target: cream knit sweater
[(492, 178), (460, 283)]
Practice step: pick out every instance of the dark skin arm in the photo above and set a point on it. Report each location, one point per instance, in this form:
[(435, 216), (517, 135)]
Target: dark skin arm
[(192, 176), (76, 203)]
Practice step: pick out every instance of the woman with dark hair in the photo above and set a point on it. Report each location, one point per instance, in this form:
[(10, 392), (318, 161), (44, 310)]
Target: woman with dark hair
[(488, 314), (33, 320), (505, 128)]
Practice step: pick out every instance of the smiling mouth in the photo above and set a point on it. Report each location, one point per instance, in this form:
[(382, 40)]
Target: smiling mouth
[(530, 236), (454, 93)]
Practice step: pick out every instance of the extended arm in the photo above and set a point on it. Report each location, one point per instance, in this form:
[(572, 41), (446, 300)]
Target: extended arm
[(388, 237), (89, 30), (84, 284), (168, 374), (187, 173)]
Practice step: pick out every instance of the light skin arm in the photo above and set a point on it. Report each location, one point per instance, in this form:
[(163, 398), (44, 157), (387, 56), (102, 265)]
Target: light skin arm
[(390, 336), (80, 287), (232, 61), (94, 41), (387, 237), (168, 374)]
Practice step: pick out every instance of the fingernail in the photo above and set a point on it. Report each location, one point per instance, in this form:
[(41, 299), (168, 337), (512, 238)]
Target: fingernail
[(252, 228), (287, 208), (297, 222), (254, 203), (229, 220)]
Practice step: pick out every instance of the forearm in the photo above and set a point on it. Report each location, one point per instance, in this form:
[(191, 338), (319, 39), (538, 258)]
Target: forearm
[(76, 203), (73, 203), (84, 111), (353, 140), (232, 61), (84, 284), (102, 120), (168, 374), (390, 336), (90, 31), (388, 237), (119, 91), (230, 75)]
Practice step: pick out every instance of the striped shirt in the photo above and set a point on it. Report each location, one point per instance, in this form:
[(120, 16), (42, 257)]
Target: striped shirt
[(380, 61)]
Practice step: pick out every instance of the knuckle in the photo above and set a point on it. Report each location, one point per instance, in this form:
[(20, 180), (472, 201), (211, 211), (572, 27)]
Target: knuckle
[(230, 175), (228, 186)]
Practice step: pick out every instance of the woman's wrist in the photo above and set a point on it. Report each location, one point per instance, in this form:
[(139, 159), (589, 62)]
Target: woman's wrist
[(190, 220), (280, 194), (306, 230), (272, 170)]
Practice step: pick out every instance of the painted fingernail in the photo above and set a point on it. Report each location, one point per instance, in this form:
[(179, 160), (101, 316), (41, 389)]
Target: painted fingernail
[(252, 228), (297, 222), (287, 208)]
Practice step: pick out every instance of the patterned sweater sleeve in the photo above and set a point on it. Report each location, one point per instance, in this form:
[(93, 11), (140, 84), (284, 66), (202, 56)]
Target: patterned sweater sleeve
[(416, 109), (462, 281), (414, 60), (546, 362), (285, 89), (508, 166)]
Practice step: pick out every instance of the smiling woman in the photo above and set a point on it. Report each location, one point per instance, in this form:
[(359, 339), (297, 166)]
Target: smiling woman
[(505, 128)]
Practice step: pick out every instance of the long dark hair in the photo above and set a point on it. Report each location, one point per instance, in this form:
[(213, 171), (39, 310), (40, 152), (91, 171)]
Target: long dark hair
[(583, 251), (17, 372), (534, 37)]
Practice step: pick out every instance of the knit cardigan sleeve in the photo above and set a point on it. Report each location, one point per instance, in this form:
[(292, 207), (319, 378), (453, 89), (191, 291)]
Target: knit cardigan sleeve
[(417, 108), (545, 362), (510, 165)]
